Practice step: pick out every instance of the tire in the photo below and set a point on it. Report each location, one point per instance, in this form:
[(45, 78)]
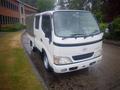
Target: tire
[(86, 69), (34, 49), (46, 63)]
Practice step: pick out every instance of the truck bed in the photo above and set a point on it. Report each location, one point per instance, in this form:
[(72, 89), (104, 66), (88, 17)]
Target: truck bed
[(30, 24)]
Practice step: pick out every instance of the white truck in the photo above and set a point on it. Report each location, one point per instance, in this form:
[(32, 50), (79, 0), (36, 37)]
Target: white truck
[(69, 40)]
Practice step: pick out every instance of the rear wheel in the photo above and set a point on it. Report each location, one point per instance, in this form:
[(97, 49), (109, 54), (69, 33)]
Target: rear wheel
[(34, 49)]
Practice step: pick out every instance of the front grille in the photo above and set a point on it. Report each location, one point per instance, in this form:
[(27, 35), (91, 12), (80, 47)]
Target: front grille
[(84, 56)]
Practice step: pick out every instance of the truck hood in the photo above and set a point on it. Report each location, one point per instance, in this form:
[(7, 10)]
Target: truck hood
[(73, 47)]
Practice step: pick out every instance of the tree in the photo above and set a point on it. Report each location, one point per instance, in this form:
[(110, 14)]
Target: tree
[(97, 5), (44, 5), (31, 2), (76, 4), (111, 9), (81, 4)]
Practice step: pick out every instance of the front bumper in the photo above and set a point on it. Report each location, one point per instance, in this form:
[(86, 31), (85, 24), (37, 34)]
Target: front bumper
[(75, 66)]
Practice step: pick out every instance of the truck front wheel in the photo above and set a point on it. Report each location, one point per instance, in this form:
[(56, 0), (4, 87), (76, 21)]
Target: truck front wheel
[(46, 63)]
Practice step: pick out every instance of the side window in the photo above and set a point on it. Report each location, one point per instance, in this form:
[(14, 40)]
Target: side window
[(46, 24), (37, 19)]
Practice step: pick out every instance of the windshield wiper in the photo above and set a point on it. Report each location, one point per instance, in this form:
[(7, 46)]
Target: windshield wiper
[(75, 36), (94, 33)]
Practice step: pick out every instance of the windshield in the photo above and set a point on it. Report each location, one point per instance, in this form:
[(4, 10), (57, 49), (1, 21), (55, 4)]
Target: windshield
[(75, 23)]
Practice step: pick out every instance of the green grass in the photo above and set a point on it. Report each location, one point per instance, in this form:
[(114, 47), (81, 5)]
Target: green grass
[(15, 70)]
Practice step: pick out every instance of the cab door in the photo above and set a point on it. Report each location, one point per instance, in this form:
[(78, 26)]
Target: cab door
[(46, 26), (37, 32)]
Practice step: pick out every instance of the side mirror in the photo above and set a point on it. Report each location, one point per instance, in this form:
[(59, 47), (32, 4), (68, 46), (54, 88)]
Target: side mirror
[(48, 35)]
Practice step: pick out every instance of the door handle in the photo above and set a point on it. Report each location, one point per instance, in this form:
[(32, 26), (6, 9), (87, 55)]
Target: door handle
[(41, 40)]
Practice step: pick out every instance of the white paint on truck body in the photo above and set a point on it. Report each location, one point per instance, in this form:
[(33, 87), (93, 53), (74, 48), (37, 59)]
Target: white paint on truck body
[(66, 54)]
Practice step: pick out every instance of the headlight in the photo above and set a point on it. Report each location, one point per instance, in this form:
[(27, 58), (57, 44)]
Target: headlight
[(62, 60), (98, 53)]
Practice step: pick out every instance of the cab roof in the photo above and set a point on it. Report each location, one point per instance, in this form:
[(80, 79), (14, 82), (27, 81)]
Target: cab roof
[(51, 12)]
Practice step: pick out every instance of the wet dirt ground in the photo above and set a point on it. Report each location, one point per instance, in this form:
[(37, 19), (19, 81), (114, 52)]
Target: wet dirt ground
[(102, 76)]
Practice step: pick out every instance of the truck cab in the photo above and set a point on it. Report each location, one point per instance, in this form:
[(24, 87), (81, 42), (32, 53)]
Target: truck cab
[(69, 40)]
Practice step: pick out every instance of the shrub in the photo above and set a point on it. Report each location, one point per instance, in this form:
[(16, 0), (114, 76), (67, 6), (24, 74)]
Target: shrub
[(99, 16), (19, 26), (115, 29), (13, 27), (103, 26), (116, 24)]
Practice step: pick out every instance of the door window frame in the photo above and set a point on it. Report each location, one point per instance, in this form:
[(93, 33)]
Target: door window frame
[(37, 23), (50, 23)]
